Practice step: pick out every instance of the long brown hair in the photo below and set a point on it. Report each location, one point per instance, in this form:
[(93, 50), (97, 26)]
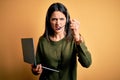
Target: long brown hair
[(48, 30)]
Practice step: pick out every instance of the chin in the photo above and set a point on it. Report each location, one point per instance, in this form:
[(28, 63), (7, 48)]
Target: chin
[(58, 31)]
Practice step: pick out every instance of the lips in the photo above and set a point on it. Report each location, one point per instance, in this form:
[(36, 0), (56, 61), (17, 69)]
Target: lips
[(58, 28)]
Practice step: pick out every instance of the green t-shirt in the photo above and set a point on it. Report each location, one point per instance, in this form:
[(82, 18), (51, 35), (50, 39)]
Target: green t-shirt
[(61, 55)]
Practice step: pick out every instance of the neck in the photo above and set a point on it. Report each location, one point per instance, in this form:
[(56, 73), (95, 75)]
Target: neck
[(58, 37)]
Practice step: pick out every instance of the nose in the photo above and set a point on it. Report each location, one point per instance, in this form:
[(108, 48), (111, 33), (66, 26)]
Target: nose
[(57, 21)]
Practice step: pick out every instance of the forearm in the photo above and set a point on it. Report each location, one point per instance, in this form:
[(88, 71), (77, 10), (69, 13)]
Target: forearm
[(84, 55)]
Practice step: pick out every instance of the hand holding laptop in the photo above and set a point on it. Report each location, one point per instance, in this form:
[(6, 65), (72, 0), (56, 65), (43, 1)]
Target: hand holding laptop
[(38, 69)]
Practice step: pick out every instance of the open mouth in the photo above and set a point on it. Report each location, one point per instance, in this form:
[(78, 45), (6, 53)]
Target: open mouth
[(58, 28)]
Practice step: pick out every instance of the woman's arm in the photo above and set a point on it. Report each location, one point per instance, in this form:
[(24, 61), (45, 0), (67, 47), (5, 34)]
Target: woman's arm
[(84, 56)]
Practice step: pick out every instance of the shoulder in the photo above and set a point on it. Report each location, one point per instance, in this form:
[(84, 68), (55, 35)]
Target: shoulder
[(42, 40)]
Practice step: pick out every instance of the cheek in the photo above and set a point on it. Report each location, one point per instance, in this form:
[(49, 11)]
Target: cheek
[(52, 25), (52, 22), (64, 22)]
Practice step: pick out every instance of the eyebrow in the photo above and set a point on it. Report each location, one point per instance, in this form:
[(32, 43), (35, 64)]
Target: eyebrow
[(57, 18)]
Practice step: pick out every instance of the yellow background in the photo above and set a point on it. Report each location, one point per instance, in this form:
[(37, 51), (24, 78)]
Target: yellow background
[(100, 26)]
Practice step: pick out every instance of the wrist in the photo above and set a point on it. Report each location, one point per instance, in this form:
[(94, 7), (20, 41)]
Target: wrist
[(78, 40)]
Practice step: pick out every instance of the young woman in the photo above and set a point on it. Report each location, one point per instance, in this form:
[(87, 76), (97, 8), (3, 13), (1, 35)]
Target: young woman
[(60, 46)]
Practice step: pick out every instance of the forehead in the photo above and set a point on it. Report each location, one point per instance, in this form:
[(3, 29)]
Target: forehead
[(57, 14)]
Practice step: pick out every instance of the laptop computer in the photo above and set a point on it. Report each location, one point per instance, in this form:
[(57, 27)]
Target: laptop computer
[(28, 53)]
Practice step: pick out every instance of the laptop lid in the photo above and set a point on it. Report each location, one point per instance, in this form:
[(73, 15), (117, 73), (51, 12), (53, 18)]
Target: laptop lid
[(28, 50)]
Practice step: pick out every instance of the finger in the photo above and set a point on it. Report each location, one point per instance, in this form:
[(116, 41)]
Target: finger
[(71, 21), (74, 21), (40, 69), (37, 67), (73, 25), (40, 66)]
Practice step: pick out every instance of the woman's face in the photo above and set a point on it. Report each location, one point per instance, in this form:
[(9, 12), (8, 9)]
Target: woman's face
[(58, 21)]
